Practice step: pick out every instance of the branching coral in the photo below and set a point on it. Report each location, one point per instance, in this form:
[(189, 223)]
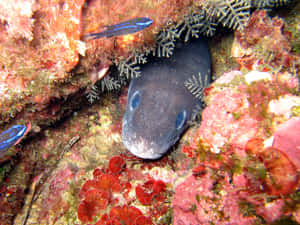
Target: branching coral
[(230, 13), (129, 68), (165, 41), (93, 94), (109, 83), (201, 19), (262, 4), (196, 85)]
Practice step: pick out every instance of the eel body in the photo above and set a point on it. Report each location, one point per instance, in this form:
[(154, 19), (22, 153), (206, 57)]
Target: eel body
[(159, 106)]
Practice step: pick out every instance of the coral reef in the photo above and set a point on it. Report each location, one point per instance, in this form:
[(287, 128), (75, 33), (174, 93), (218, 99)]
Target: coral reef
[(202, 18), (244, 155), (268, 40), (200, 201), (249, 142), (125, 215), (248, 152), (45, 62)]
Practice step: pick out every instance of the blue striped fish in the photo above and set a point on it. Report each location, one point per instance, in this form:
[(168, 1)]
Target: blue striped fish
[(11, 136), (124, 28)]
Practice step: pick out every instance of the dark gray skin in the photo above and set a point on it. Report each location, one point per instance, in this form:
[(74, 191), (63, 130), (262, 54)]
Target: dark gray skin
[(159, 105)]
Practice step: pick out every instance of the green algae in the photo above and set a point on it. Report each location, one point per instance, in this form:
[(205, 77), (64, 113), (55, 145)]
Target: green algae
[(236, 115), (246, 208), (296, 111)]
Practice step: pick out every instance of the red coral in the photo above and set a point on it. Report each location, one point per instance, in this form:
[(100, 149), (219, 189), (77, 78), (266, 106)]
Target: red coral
[(199, 170), (96, 194), (116, 164), (263, 36), (255, 146), (282, 174), (94, 201), (105, 182), (126, 215), (152, 189)]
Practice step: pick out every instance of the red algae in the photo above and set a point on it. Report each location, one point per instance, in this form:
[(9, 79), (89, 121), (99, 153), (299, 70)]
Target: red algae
[(282, 175), (96, 194), (125, 215), (94, 200), (116, 164), (264, 38), (255, 146), (152, 190), (105, 182), (110, 188)]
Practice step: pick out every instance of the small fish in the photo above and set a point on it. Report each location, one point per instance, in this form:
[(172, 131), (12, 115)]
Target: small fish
[(11, 136), (124, 28), (159, 106)]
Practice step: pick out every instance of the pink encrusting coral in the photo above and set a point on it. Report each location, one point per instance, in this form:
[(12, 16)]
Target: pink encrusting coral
[(226, 121), (242, 133), (199, 201), (18, 17), (54, 199), (287, 139), (249, 131)]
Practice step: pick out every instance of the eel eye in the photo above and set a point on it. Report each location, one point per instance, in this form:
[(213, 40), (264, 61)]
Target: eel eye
[(180, 120), (135, 100)]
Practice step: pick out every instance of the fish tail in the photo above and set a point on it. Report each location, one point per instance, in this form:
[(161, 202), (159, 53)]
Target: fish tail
[(92, 36)]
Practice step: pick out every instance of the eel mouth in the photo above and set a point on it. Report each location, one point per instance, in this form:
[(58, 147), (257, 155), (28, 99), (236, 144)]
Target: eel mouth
[(144, 147), (142, 150)]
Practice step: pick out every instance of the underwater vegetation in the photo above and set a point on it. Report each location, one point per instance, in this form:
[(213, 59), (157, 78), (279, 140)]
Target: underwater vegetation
[(45, 60), (223, 178), (249, 152), (202, 18), (107, 196), (239, 155)]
